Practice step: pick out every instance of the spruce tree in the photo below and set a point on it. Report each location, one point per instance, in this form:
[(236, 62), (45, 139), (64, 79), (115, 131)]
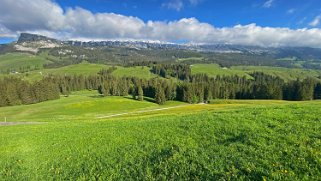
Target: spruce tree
[(160, 95), (317, 91), (140, 96), (207, 94)]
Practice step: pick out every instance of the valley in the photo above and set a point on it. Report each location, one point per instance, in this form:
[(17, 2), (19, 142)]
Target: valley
[(154, 111)]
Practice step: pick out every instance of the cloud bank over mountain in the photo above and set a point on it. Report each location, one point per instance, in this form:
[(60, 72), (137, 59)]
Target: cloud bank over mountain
[(49, 18)]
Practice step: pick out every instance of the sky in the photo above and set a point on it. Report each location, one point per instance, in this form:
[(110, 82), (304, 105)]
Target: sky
[(247, 22)]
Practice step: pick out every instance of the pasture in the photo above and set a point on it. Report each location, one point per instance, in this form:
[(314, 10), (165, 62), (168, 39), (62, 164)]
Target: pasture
[(229, 140), (16, 61), (286, 74)]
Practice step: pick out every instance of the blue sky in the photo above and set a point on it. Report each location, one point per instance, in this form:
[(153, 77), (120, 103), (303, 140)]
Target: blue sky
[(220, 13), (259, 22)]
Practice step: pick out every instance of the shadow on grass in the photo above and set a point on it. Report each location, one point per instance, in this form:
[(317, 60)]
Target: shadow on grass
[(148, 99), (96, 96)]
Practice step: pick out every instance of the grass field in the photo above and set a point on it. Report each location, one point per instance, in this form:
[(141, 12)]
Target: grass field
[(81, 105), (224, 140), (141, 72), (14, 61), (285, 73), (77, 69), (86, 69)]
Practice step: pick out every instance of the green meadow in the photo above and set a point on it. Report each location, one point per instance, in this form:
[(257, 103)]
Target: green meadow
[(286, 74), (86, 69), (14, 61), (80, 105), (140, 72), (223, 140)]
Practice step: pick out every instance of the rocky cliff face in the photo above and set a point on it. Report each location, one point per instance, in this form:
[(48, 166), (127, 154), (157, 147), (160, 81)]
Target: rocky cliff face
[(32, 43), (27, 37)]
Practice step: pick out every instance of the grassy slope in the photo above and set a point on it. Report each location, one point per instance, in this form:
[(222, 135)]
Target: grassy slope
[(87, 69), (77, 69), (254, 140), (134, 71), (285, 73), (17, 60), (78, 106)]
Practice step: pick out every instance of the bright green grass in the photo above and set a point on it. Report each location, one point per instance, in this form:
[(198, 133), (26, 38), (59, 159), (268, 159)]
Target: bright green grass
[(77, 69), (87, 69), (78, 106), (272, 142), (16, 60), (141, 72)]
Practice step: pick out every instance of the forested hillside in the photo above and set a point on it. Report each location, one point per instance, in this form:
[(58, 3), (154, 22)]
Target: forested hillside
[(48, 68), (189, 88)]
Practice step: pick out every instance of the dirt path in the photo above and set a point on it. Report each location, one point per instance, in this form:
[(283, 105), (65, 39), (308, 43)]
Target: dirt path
[(144, 111), (17, 123)]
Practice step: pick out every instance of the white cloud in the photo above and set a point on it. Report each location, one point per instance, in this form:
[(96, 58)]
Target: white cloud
[(290, 11), (82, 22), (6, 33), (268, 3), (316, 21), (178, 5), (79, 23), (174, 4), (26, 15), (194, 2)]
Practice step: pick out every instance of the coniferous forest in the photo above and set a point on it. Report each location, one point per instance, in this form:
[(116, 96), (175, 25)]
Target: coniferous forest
[(177, 83)]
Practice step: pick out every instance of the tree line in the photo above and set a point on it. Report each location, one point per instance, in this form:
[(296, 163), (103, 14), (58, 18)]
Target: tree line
[(14, 91), (192, 89)]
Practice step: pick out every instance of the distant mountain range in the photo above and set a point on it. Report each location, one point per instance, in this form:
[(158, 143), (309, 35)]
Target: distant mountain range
[(129, 51), (32, 42)]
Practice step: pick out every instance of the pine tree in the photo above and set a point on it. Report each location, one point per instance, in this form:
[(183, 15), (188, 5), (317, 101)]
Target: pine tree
[(207, 94), (317, 91), (160, 95), (140, 96), (65, 90), (306, 89), (134, 92)]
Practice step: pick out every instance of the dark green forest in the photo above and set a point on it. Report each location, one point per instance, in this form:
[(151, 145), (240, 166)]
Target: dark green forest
[(177, 84)]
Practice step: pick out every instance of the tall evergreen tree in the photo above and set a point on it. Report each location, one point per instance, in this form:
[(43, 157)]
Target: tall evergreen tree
[(140, 96), (317, 91), (160, 95)]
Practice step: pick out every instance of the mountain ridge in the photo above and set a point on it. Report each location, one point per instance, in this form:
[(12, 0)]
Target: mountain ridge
[(28, 40)]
